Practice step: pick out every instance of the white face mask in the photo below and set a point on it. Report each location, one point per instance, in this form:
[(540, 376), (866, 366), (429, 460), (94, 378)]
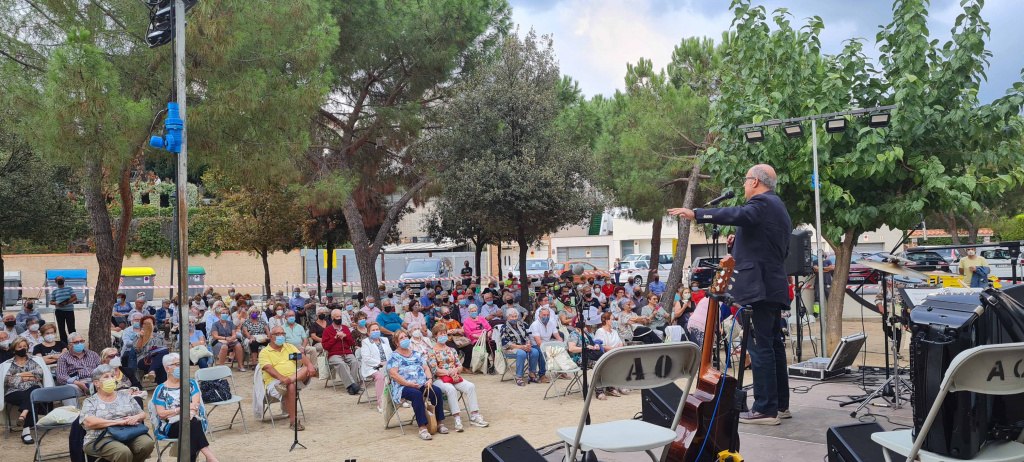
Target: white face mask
[(280, 313), (417, 334), (48, 338), (116, 362), (970, 253), (34, 328)]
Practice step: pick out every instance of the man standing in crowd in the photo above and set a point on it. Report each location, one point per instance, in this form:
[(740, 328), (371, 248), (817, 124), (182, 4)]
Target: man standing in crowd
[(761, 244), (829, 267), (972, 265), (467, 274), (64, 299)]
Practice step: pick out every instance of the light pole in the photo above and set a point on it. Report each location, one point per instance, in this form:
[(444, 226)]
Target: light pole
[(835, 123)]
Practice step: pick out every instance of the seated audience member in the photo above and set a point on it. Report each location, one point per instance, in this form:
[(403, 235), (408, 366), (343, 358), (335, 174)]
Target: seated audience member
[(371, 309), (683, 308), (107, 408), (31, 333), (10, 326), (197, 339), (212, 317), (296, 334), (75, 367), (339, 345), (358, 327), (23, 374), (150, 347), (575, 344), (50, 348), (278, 316), (490, 311), (515, 343), (410, 374), (544, 329), (5, 347), (389, 321), (375, 353), (608, 339), (166, 318), (111, 357), (445, 367), (225, 334), (167, 405), (454, 329), (297, 304), (414, 317), (656, 316), (255, 336), (280, 377), (316, 329), (121, 311), (28, 312), (420, 343), (631, 327)]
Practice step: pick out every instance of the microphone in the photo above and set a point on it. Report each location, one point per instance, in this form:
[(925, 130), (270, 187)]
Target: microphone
[(577, 269), (726, 195)]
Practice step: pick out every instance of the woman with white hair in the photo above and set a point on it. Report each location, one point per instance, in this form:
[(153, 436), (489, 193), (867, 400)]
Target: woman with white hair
[(630, 326), (111, 407), (167, 405), (515, 343)]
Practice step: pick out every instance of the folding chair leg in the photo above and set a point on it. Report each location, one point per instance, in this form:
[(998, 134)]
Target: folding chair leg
[(240, 412)]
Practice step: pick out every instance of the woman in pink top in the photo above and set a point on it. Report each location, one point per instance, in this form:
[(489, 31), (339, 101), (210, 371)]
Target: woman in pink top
[(474, 325), (696, 325)]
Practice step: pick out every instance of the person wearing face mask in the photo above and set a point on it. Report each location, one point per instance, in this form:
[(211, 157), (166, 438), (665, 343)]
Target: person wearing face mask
[(111, 407), (296, 335), (371, 309), (211, 318), (121, 310), (276, 318), (21, 375), (280, 378), (475, 326), (516, 343), (412, 380), (376, 350), (167, 405), (655, 316), (28, 312), (975, 269), (414, 318), (31, 333), (340, 347), (197, 339), (638, 298), (683, 307), (544, 329), (150, 347), (447, 372), (456, 335), (255, 333), (359, 328), (10, 325), (5, 347), (316, 329), (389, 321), (125, 380), (225, 334), (656, 287), (75, 366), (50, 348), (607, 338), (420, 342), (297, 304)]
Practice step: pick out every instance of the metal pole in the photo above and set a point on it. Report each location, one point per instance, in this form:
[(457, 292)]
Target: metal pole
[(184, 445), (817, 232)]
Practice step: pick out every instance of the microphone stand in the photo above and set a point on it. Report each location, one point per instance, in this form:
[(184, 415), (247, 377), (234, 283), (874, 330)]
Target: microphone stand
[(297, 356), (581, 313)]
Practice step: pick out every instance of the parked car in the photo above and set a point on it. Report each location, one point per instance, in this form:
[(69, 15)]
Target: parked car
[(926, 260), (589, 270), (535, 268), (663, 259), (998, 263), (702, 272), (431, 269), (636, 271), (950, 255), (860, 273)]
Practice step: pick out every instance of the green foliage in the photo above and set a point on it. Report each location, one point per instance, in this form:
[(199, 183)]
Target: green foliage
[(1015, 230), (150, 237)]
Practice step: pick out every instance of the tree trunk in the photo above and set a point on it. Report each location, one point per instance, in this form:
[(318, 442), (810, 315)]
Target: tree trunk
[(316, 249), (524, 280), (266, 270), (110, 245), (837, 295), (501, 276), (477, 252), (950, 222), (329, 262), (655, 252), (675, 276), (972, 230)]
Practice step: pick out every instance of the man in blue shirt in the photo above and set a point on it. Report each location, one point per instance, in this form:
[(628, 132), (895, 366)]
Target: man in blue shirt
[(389, 321), (655, 286), (298, 305), (28, 313), (165, 317), (427, 300), (63, 299)]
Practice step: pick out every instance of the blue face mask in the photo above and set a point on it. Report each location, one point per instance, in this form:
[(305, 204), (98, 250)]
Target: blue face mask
[(442, 339), (224, 317), (375, 334), (362, 323), (291, 319), (349, 307), (545, 319), (370, 304), (279, 340), (79, 348), (177, 373), (463, 302), (490, 302), (615, 324), (405, 343), (473, 314), (137, 325)]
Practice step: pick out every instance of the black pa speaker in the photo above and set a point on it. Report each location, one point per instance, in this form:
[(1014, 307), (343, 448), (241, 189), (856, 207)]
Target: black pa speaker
[(658, 405), (510, 449), (852, 443), (798, 260)]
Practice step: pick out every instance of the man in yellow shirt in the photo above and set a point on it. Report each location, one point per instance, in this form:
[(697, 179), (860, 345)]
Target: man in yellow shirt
[(970, 264), (280, 376)]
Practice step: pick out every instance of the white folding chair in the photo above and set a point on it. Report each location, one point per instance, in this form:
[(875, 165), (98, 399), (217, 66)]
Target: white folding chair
[(269, 400), (553, 375), (637, 367), (218, 373), (364, 396), (499, 351), (987, 369), (391, 408), (155, 422)]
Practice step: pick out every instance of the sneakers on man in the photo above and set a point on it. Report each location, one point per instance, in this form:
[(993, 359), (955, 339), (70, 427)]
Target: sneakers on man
[(757, 418), (785, 414), (478, 421)]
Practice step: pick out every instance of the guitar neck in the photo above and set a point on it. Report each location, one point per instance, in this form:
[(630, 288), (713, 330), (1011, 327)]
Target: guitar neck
[(710, 328)]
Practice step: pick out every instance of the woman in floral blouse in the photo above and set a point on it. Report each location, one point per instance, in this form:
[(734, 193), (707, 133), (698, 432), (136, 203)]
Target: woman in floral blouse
[(410, 374), (23, 375), (444, 364)]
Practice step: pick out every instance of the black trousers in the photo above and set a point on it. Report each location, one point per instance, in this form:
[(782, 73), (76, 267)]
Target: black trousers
[(65, 323), (768, 358), (645, 335), (197, 437), (21, 400)]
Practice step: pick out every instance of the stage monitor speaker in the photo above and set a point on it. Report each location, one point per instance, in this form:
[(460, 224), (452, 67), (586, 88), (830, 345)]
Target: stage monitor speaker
[(852, 443), (510, 449), (658, 405), (798, 260)]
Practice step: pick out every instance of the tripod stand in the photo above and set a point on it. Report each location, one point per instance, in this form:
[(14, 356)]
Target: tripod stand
[(296, 357), (890, 320)]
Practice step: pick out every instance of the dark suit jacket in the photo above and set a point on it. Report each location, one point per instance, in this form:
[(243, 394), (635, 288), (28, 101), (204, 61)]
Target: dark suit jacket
[(762, 241)]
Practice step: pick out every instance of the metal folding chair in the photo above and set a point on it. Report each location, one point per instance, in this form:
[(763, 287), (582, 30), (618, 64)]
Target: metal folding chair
[(50, 395), (553, 375), (268, 400), (391, 409), (218, 373)]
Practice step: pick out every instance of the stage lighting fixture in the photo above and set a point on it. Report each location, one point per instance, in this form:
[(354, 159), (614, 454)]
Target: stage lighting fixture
[(879, 119), (835, 125), (793, 131), (755, 136)]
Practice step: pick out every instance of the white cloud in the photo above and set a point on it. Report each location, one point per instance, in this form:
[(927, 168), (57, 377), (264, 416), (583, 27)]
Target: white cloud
[(595, 39)]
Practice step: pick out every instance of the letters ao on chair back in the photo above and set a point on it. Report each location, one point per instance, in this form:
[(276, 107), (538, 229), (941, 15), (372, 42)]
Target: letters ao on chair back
[(647, 366)]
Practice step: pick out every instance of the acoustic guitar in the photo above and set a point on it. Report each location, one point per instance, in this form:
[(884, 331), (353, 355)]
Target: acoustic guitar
[(706, 425)]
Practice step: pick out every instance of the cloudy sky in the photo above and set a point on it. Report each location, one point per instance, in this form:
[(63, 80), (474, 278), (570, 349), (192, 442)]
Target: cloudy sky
[(594, 39)]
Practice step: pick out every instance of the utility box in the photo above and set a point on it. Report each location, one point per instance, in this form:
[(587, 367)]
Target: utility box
[(196, 277), (138, 276), (72, 278), (11, 279)]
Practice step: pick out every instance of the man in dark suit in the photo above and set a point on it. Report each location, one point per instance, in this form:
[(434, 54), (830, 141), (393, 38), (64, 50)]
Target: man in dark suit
[(762, 241)]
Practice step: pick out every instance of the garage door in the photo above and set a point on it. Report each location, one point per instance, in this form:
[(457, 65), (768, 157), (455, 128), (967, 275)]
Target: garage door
[(595, 255), (870, 247)]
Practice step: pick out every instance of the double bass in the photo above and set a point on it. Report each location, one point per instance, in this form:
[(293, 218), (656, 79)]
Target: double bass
[(706, 432)]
